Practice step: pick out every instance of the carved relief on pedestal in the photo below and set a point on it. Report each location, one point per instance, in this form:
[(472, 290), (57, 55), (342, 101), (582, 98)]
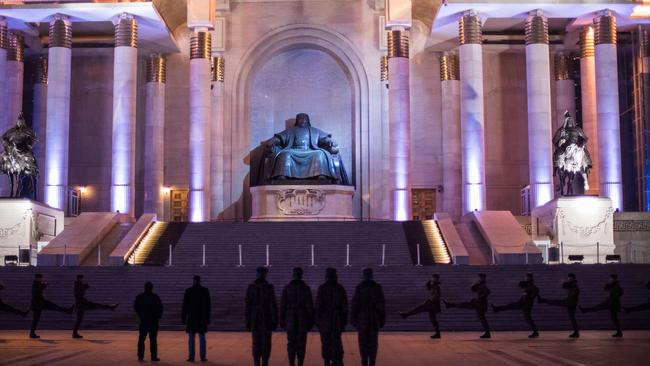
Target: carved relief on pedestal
[(301, 201), (584, 231)]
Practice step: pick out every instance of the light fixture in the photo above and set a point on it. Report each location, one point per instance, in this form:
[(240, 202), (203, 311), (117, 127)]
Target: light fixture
[(166, 190), (82, 189)]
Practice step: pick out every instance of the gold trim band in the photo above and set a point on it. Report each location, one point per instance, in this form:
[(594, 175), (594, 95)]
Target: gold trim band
[(4, 42), (587, 42), (40, 71), (156, 69), (398, 44), (383, 67), (16, 49), (200, 45), (605, 29), (60, 32), (449, 67), (126, 31), (218, 68), (536, 29), (562, 66), (470, 29)]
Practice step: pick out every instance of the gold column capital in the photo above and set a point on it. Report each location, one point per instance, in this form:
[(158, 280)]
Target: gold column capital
[(398, 43), (383, 67), (16, 49), (4, 42), (40, 71), (449, 67), (156, 69), (536, 28), (605, 28), (200, 45), (470, 28), (587, 42), (218, 68), (60, 32), (126, 31), (562, 66)]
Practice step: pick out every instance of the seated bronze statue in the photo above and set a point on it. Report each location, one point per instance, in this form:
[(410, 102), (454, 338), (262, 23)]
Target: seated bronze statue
[(301, 155)]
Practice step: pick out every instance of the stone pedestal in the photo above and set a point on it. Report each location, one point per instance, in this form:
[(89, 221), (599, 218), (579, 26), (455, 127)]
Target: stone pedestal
[(302, 203), (576, 226)]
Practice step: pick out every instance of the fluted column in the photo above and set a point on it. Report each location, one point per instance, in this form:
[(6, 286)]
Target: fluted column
[(218, 67), (565, 92), (588, 104), (609, 143), (538, 85), (452, 196), (4, 116), (14, 77), (58, 112), (39, 115), (125, 69), (399, 122), (154, 162), (472, 120), (200, 131), (385, 138)]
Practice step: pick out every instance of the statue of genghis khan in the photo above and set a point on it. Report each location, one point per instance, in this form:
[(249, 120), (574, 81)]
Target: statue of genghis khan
[(303, 154), (571, 156), (17, 159)]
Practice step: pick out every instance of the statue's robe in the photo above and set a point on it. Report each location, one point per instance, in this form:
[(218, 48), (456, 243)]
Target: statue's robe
[(301, 156)]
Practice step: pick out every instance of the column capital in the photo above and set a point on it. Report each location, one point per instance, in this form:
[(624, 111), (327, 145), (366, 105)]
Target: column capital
[(4, 42), (562, 66), (126, 31), (218, 68), (587, 42), (449, 66), (200, 45), (60, 32), (16, 47), (40, 71), (398, 43), (536, 28), (156, 69), (605, 28), (470, 28), (383, 67)]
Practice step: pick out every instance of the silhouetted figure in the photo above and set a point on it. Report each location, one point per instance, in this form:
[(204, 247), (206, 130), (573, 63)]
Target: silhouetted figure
[(368, 315), (430, 305), (39, 303), (149, 309), (81, 304), (297, 316), (10, 309), (479, 303), (261, 316), (196, 315), (331, 317), (641, 307), (525, 303), (570, 302), (612, 303)]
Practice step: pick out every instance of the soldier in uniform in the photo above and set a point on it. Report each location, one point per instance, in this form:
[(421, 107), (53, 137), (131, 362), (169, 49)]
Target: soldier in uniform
[(641, 307), (10, 309), (297, 316), (39, 303), (368, 315), (479, 303), (196, 315), (430, 305), (261, 316), (570, 302), (149, 309), (81, 304), (612, 303), (525, 303), (331, 317)]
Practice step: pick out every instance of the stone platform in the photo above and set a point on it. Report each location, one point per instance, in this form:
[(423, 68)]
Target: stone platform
[(302, 203)]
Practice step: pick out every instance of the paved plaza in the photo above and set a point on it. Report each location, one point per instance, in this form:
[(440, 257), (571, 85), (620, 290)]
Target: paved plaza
[(396, 349)]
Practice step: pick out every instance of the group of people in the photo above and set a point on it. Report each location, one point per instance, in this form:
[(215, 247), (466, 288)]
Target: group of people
[(530, 294), (298, 313)]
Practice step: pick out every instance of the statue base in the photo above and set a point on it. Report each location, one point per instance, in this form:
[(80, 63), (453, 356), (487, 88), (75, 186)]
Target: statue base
[(302, 203)]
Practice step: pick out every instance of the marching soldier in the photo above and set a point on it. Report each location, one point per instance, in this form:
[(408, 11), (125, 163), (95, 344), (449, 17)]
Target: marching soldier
[(331, 317), (570, 302), (478, 303), (261, 316), (641, 307), (368, 315), (39, 303), (612, 303), (525, 303), (81, 304), (10, 309), (297, 316), (430, 305)]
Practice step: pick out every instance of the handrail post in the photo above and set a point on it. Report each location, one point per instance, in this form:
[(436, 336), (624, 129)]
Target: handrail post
[(383, 255), (597, 252), (170, 256), (241, 264), (99, 255), (65, 253), (526, 250), (562, 252), (203, 259), (312, 256), (347, 255), (419, 264), (493, 258), (267, 256)]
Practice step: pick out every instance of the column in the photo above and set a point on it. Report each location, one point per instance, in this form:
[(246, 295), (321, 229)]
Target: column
[(565, 92), (218, 67), (588, 104), (14, 76), (4, 43), (58, 112), (125, 69), (609, 141), (452, 196), (538, 86), (472, 120), (199, 144), (399, 124), (154, 162), (39, 115), (387, 192)]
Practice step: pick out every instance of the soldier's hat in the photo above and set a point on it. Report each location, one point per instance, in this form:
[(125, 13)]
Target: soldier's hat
[(262, 271), (571, 275), (38, 275), (613, 276), (297, 273), (529, 275), (482, 276), (330, 273), (367, 273), (80, 276)]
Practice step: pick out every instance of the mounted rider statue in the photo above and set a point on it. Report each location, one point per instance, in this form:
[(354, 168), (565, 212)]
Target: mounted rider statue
[(570, 157), (17, 159)]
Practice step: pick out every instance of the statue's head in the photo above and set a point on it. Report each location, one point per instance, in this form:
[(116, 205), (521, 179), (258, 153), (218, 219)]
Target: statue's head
[(569, 122), (302, 120), (20, 122)]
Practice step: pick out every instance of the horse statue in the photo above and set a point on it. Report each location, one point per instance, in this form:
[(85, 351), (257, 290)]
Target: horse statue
[(570, 157), (17, 159)]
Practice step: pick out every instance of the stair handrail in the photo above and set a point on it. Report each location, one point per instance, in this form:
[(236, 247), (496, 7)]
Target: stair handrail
[(131, 251)]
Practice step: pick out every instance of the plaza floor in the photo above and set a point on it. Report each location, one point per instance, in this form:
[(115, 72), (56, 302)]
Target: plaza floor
[(396, 349)]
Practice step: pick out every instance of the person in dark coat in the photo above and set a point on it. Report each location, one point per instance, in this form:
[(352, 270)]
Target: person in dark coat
[(331, 317), (525, 303), (431, 305), (297, 316), (570, 302), (149, 309), (479, 303), (612, 303), (261, 316), (368, 315), (39, 303), (641, 307), (81, 304), (196, 315), (10, 309)]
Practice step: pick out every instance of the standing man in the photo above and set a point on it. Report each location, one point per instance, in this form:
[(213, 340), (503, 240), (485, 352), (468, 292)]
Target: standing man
[(149, 309), (261, 316), (331, 317), (570, 302), (39, 303), (479, 303), (525, 303), (368, 315), (81, 304), (640, 307), (297, 316), (10, 309), (430, 305), (196, 314), (612, 303)]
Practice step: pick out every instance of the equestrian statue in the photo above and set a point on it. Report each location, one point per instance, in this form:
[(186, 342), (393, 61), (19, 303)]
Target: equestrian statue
[(570, 157), (17, 159)]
